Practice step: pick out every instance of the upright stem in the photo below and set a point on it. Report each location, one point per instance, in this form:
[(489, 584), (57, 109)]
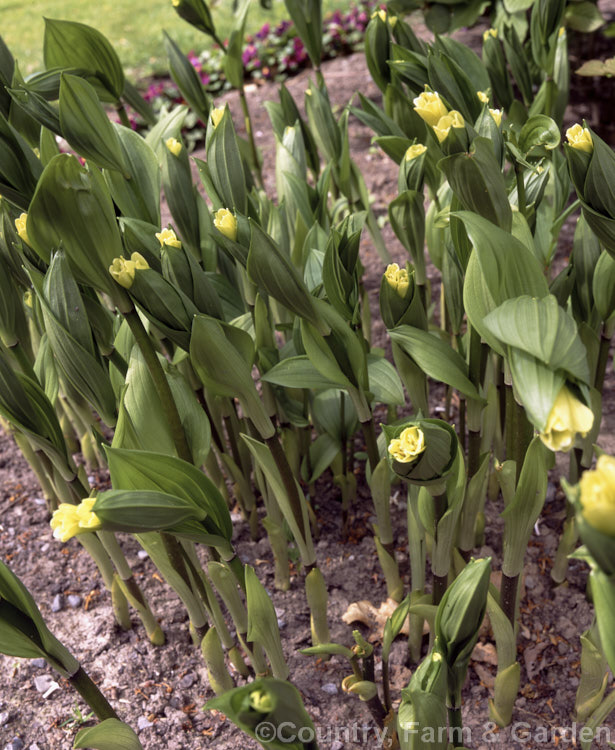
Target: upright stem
[(520, 188), (508, 596), (90, 693), (371, 443), (249, 130), (455, 726), (603, 357), (440, 583), (160, 383)]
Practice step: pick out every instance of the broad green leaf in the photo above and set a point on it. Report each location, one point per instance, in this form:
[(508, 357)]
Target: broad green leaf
[(225, 165), (541, 328), (145, 470), (539, 130), (187, 79), (322, 453), (144, 510), (110, 734), (536, 385), (69, 44), (296, 518), (384, 381), (477, 180), (137, 197), (297, 372), (86, 126), (435, 357), (584, 17)]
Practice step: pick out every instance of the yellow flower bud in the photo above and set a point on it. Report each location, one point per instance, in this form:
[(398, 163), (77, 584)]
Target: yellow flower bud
[(490, 32), (598, 495), (580, 137), (27, 298), (216, 115), (20, 226), (453, 119), (123, 271), (175, 3), (397, 279), (567, 417), (174, 146), (168, 237), (562, 31), (408, 446), (430, 107), (497, 116), (140, 263), (382, 14), (69, 520), (415, 151), (483, 97), (226, 223)]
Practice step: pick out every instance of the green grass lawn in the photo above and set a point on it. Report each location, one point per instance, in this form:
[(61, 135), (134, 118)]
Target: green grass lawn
[(134, 27)]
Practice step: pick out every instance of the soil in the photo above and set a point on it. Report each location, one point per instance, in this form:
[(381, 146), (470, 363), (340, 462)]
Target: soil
[(160, 691)]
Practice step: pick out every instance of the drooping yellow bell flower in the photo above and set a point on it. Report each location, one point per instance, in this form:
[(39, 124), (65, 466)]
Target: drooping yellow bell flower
[(21, 227), (490, 33), (123, 271), (174, 146), (430, 107), (226, 223), (483, 96), (598, 495), (397, 278), (408, 446), (580, 138), (168, 237), (415, 151), (568, 417), (497, 116), (70, 520), (216, 115), (453, 119)]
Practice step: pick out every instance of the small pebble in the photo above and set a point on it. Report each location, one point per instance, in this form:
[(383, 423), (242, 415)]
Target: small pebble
[(281, 623), (74, 600), (330, 688), (58, 603), (43, 682), (16, 744), (337, 745), (39, 663), (40, 501), (5, 717), (34, 746), (142, 554), (143, 723), (187, 680), (51, 689)]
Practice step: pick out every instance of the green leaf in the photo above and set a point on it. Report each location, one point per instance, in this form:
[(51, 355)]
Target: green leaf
[(145, 470), (85, 124), (477, 180), (225, 165), (187, 79), (297, 372), (110, 734), (144, 510), (539, 131), (584, 17), (541, 328), (69, 44), (384, 381), (272, 271), (435, 357), (296, 518), (322, 453), (137, 196), (307, 17)]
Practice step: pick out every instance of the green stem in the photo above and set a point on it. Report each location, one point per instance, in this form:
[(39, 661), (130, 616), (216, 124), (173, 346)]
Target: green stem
[(440, 583), (508, 596), (90, 693), (115, 358), (371, 443), (23, 360), (603, 358), (249, 130), (520, 189), (455, 726), (161, 384)]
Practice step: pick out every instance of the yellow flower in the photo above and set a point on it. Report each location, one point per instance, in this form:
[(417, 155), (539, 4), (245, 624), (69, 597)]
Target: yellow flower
[(216, 115), (261, 701), (567, 417), (20, 226), (453, 119), (226, 223), (415, 151), (562, 31), (430, 107), (123, 271), (497, 116), (175, 3), (580, 137), (598, 495), (483, 97), (397, 279), (168, 237), (174, 146), (488, 33), (27, 298), (408, 446), (69, 520), (382, 15)]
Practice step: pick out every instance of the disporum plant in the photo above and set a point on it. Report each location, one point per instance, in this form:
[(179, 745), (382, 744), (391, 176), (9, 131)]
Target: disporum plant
[(227, 359)]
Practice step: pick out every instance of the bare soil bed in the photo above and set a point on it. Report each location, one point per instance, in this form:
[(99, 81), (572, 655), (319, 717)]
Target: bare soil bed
[(160, 691)]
